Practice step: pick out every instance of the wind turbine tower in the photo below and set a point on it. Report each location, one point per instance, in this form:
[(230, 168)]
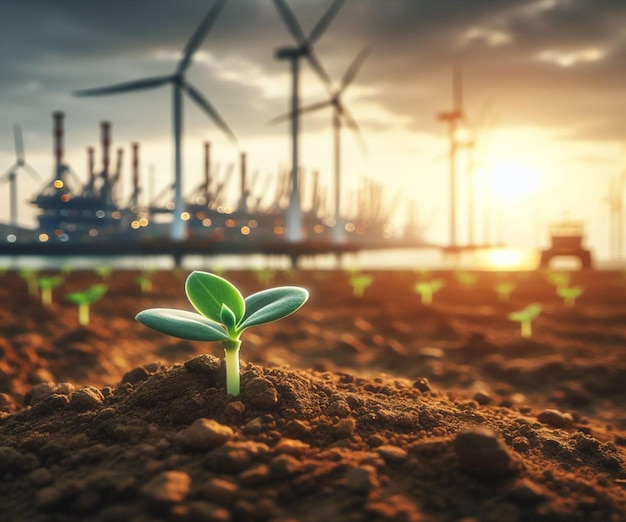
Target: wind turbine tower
[(293, 54), (452, 118), (179, 85)]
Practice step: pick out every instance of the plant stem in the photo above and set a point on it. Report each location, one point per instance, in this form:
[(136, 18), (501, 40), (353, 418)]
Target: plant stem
[(527, 329), (46, 297), (83, 314), (427, 298), (231, 356)]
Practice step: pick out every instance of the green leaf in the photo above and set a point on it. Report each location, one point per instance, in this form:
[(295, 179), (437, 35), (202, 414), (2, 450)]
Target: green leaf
[(183, 324), (227, 318), (272, 304), (50, 282), (208, 292), (96, 292)]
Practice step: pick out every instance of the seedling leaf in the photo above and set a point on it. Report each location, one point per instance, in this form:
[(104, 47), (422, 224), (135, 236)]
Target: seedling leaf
[(207, 292), (183, 324), (272, 304)]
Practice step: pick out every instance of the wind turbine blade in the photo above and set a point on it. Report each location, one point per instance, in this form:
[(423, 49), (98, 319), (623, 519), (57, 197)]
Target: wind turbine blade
[(199, 35), (353, 125), (302, 110), (354, 68), (19, 143), (210, 110), (33, 173), (291, 21), (321, 72), (147, 83), (457, 88), (323, 23)]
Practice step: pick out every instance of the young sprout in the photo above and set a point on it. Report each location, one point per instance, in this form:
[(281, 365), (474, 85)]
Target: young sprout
[(145, 280), (359, 283), (423, 273), (223, 315), (569, 294), (426, 289), (85, 298), (264, 276), (46, 285), (558, 279), (504, 290), (66, 269), (525, 318), (30, 275), (466, 279), (104, 271)]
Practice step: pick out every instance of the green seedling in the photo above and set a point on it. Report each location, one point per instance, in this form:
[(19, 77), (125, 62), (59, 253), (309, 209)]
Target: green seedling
[(504, 290), (569, 294), (264, 276), (223, 315), (30, 276), (145, 280), (66, 269), (46, 285), (426, 289), (525, 318), (359, 283), (466, 279), (559, 279), (85, 298), (103, 272), (423, 273)]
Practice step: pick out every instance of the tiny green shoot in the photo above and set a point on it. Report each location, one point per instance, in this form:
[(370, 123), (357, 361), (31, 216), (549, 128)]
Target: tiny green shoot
[(558, 278), (466, 279), (30, 276), (426, 289), (264, 276), (223, 315), (423, 273), (359, 283), (84, 299), (144, 280), (525, 318), (46, 285), (103, 271), (504, 290), (569, 294), (66, 269)]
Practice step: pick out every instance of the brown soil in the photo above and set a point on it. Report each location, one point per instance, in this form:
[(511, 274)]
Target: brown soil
[(355, 408)]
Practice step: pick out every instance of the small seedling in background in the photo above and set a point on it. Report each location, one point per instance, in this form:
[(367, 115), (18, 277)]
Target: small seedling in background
[(30, 275), (46, 285), (85, 298), (66, 269), (558, 279), (525, 318), (223, 315), (569, 294), (145, 280), (423, 273), (218, 270), (466, 279), (103, 272), (426, 289), (3, 270), (264, 276), (504, 290), (359, 283)]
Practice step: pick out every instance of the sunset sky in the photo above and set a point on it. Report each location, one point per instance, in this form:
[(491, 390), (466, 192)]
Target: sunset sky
[(549, 75)]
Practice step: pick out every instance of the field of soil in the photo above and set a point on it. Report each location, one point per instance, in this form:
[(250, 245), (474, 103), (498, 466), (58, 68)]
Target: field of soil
[(356, 408)]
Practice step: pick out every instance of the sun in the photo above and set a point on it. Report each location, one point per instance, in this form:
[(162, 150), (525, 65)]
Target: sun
[(512, 180)]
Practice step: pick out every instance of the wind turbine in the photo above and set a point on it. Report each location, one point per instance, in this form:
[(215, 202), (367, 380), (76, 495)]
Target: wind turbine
[(180, 85), (11, 174), (293, 54), (340, 115)]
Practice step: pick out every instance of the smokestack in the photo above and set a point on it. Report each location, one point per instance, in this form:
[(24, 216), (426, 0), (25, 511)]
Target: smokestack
[(105, 134), (58, 140), (90, 165), (135, 161), (243, 177), (207, 170)]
